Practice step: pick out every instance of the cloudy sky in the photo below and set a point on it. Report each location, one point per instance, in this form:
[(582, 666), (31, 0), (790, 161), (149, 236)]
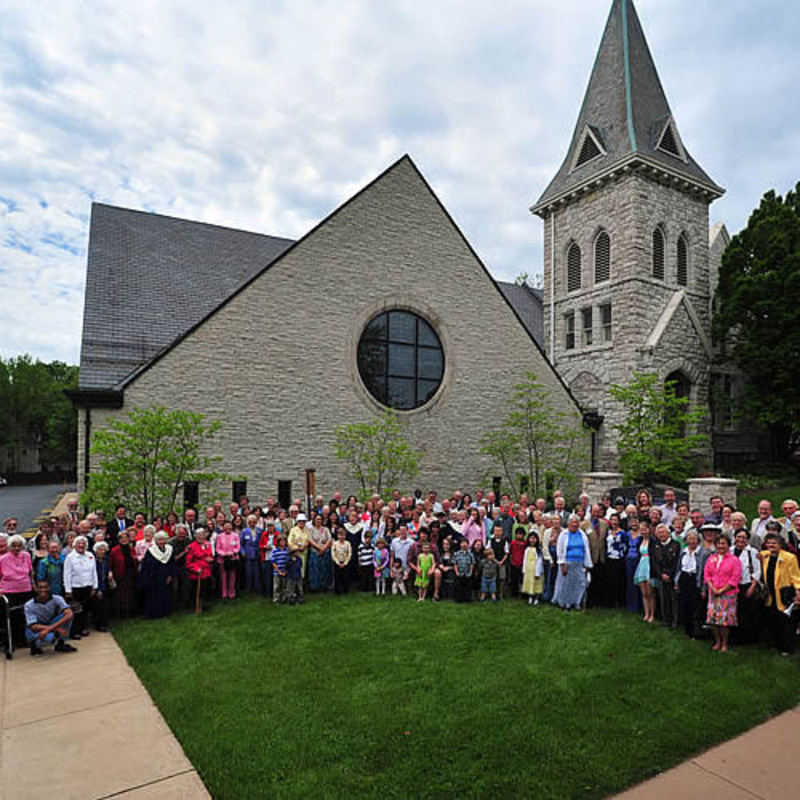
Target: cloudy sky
[(267, 115)]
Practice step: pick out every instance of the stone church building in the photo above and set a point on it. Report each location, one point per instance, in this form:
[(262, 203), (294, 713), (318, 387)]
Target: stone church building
[(281, 341), (630, 263)]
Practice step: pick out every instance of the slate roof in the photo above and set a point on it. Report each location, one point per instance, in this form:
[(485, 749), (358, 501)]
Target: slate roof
[(626, 108), (528, 304), (150, 278)]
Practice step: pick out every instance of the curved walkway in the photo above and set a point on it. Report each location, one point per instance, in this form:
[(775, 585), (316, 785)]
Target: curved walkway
[(757, 764)]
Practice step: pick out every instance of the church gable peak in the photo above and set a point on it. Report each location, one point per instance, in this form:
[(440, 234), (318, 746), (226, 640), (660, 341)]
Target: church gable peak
[(626, 101), (590, 147), (669, 141)]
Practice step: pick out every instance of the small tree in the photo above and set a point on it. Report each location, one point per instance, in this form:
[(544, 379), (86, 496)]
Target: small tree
[(377, 454), (658, 439), (537, 440), (145, 459)]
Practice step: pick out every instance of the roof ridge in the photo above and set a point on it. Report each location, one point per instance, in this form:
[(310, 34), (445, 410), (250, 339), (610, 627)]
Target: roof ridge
[(128, 210)]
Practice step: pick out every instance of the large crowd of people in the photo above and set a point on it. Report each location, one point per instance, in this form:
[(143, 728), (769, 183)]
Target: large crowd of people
[(709, 572)]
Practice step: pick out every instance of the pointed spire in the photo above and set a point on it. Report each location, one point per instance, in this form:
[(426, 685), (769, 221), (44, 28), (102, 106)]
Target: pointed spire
[(626, 109)]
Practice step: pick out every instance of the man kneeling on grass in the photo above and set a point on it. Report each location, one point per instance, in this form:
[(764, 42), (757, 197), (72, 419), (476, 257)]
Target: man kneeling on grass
[(48, 619)]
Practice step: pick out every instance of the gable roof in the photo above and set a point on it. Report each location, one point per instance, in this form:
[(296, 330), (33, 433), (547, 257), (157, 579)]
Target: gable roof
[(406, 159), (626, 105), (150, 278), (528, 304)]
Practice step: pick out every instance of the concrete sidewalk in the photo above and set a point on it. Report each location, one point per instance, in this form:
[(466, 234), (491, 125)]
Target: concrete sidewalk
[(81, 726), (757, 764)]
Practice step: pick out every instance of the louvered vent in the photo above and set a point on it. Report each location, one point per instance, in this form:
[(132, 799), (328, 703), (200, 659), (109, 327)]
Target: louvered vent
[(589, 150), (668, 143), (602, 258), (573, 268), (683, 262), (658, 254)]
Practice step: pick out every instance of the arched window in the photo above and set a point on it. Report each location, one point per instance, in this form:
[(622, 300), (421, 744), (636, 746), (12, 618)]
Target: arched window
[(602, 257), (683, 260), (573, 268), (681, 387), (658, 254)]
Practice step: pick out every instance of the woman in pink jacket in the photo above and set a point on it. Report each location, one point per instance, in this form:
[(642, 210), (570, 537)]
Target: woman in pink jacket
[(227, 547), (721, 576)]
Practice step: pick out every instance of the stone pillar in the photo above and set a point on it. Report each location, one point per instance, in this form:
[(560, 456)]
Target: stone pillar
[(701, 490), (596, 484)]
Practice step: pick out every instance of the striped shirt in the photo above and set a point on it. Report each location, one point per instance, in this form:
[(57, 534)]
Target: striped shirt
[(280, 558), (366, 553)]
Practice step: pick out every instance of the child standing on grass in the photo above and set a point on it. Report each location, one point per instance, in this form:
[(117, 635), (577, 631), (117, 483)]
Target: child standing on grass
[(294, 578), (366, 553), (398, 579), (341, 553), (533, 570), (381, 567), (464, 563), (423, 567), (516, 557), (490, 569), (478, 552), (280, 561)]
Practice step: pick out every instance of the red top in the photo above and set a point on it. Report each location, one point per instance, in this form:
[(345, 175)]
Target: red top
[(266, 542), (117, 559), (517, 549), (196, 564)]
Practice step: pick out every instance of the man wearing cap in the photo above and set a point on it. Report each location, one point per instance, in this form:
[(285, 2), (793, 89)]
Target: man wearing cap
[(298, 539)]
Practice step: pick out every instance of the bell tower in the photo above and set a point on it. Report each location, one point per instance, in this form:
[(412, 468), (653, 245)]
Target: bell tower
[(626, 244)]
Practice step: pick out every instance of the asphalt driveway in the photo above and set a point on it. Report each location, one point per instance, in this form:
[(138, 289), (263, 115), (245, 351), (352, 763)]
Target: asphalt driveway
[(26, 502)]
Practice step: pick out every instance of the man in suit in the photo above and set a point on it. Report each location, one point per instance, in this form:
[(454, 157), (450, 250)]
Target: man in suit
[(595, 528), (119, 522), (561, 509), (190, 520)]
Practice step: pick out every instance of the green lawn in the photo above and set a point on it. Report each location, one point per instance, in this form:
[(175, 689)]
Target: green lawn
[(384, 697), (748, 501)]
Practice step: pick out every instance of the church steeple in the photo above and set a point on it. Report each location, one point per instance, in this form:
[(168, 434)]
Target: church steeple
[(625, 119)]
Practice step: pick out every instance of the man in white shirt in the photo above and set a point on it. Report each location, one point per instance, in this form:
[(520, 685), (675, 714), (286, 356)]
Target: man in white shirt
[(758, 525), (80, 584), (668, 510)]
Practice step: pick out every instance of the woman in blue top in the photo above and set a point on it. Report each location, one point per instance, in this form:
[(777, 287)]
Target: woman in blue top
[(633, 599), (248, 547), (574, 559), (51, 569)]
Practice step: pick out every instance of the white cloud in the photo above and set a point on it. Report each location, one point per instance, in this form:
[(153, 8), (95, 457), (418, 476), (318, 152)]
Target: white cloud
[(266, 116)]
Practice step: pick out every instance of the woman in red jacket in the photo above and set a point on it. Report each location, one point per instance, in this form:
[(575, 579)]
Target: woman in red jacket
[(199, 558), (124, 568)]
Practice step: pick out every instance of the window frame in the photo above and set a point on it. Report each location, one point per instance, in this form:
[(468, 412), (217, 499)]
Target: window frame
[(597, 238), (587, 333), (683, 240), (606, 327), (389, 343), (569, 330)]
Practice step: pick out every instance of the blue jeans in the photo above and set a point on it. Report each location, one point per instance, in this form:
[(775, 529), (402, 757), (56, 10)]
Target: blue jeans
[(488, 585), (51, 638)]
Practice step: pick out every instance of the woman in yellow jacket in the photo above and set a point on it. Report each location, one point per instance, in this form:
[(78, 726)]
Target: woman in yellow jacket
[(781, 575)]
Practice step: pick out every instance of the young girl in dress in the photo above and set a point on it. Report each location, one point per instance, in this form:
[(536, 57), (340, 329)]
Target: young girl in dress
[(381, 563), (533, 570), (642, 575), (423, 567)]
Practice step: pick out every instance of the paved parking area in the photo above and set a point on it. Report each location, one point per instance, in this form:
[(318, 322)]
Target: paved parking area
[(27, 502)]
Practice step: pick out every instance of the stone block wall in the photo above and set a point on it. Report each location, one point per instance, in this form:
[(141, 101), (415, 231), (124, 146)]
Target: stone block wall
[(391, 246), (629, 209), (701, 490)]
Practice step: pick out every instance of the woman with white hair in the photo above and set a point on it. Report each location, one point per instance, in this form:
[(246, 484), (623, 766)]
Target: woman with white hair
[(16, 573), (80, 584), (104, 580), (158, 572)]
